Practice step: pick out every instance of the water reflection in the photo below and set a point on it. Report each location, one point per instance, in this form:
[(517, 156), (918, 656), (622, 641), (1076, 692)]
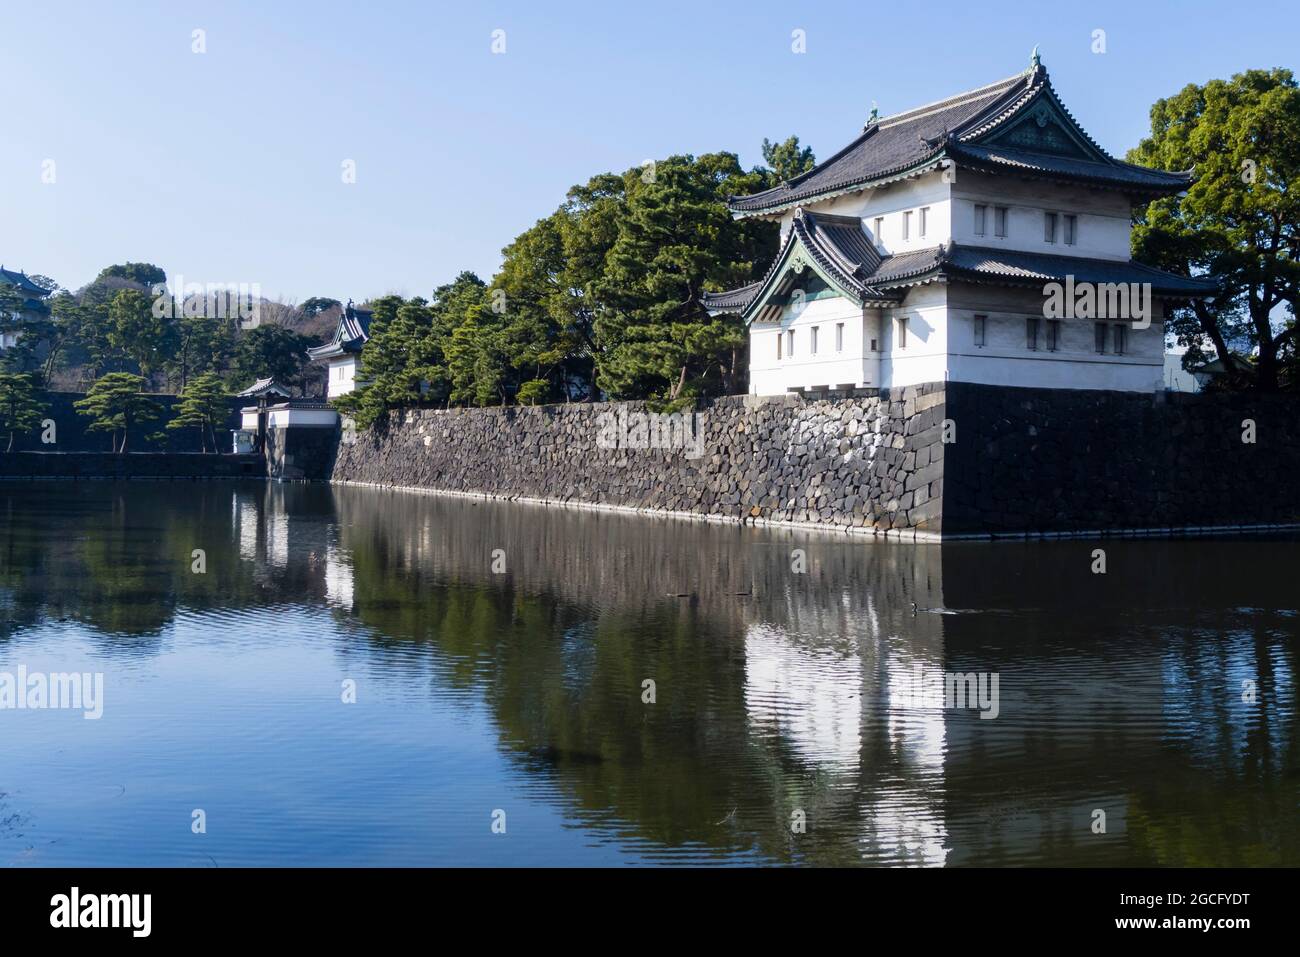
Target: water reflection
[(777, 692)]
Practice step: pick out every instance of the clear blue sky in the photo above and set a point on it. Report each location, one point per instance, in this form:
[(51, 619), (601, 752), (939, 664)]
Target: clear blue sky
[(226, 166)]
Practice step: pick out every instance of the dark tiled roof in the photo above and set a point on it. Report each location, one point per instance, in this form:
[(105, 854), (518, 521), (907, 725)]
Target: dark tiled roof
[(963, 128), (1035, 268), (20, 281), (838, 246), (264, 387), (733, 300), (1114, 173), (351, 335), (846, 255)]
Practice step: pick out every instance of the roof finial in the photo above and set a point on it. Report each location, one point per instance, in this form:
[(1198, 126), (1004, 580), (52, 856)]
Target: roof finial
[(1035, 61), (874, 118)]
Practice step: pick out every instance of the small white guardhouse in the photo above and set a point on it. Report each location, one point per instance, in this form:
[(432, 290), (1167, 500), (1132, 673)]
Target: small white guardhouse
[(983, 238)]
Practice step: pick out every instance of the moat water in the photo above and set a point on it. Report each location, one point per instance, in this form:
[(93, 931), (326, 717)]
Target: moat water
[(306, 675)]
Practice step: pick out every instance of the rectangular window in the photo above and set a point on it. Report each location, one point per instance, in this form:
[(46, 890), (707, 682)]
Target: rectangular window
[(880, 231), (812, 349), (1053, 334), (1121, 339), (925, 220), (779, 351), (789, 343), (1071, 230), (839, 337), (1049, 227), (981, 324), (902, 332), (1099, 335), (1000, 222), (907, 225), (981, 218), (1031, 332)]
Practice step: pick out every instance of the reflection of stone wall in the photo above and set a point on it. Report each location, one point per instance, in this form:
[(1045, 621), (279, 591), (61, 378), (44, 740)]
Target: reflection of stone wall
[(870, 462), (731, 578)]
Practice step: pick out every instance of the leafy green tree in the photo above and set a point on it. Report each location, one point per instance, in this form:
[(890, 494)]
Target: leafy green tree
[(138, 332), (200, 344), (543, 287), (100, 337), (20, 405), (270, 351), (314, 306), (602, 296), (60, 331), (140, 275), (675, 240), (115, 404), (204, 405), (397, 329), (476, 358), (407, 359), (1240, 220), (787, 159)]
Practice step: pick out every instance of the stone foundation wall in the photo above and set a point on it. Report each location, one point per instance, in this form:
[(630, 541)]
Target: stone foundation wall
[(1020, 460), (132, 465), (866, 461), (301, 452), (1071, 460)]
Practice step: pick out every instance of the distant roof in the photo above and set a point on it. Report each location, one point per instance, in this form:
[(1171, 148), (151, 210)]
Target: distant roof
[(350, 336), (1017, 124), (20, 281), (839, 251), (264, 387)]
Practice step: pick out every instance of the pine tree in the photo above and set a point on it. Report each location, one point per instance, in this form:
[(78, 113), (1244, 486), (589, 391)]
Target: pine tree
[(115, 403), (203, 405), (20, 406)]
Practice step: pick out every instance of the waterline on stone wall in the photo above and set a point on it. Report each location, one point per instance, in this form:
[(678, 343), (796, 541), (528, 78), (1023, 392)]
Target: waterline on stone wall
[(896, 534), (835, 531)]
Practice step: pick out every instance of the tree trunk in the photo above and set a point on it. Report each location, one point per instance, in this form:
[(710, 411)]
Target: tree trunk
[(1266, 379), (681, 383)]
